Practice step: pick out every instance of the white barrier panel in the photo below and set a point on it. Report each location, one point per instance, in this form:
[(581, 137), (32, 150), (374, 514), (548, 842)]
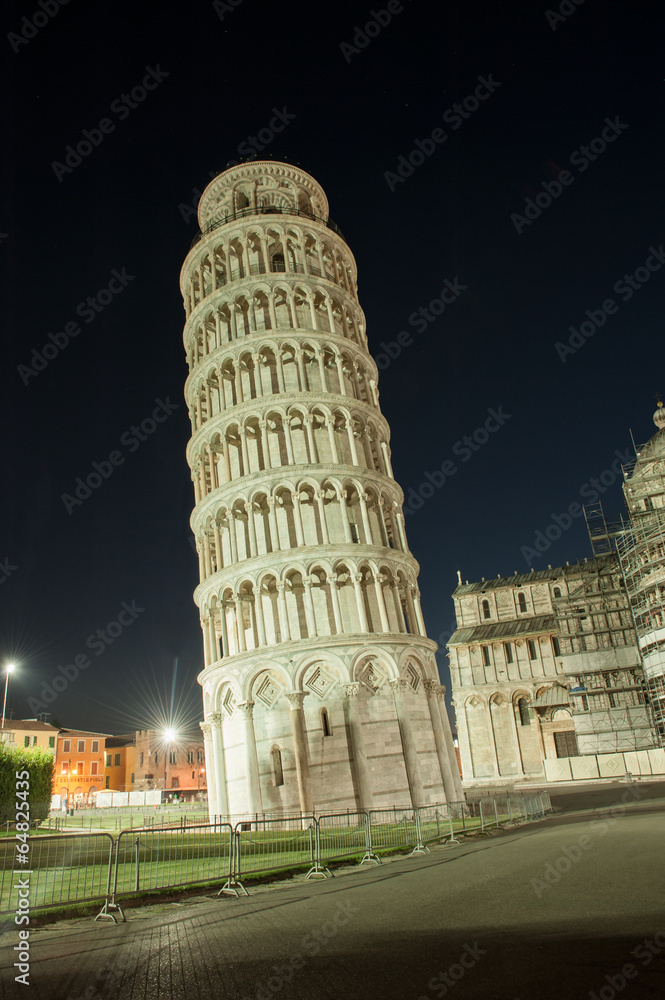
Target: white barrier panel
[(153, 797), (558, 769), (120, 798), (56, 802), (104, 800), (657, 758), (137, 798), (584, 767), (611, 765)]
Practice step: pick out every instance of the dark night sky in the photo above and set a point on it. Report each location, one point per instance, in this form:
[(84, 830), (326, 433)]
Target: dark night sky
[(66, 574)]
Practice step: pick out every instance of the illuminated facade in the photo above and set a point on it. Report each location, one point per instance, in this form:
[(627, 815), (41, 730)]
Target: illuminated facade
[(320, 685)]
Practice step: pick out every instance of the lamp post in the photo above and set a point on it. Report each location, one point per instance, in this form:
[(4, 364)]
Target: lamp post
[(9, 669), (170, 736)]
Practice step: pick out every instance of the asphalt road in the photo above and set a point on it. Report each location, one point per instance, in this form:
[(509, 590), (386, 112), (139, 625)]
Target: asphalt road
[(572, 907)]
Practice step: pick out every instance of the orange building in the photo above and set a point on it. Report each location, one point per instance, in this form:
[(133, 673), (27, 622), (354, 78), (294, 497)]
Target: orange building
[(177, 768), (79, 765), (119, 769)]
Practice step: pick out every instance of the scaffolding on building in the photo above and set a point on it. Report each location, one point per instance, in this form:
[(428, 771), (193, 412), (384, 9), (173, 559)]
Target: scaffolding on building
[(641, 552), (601, 658)]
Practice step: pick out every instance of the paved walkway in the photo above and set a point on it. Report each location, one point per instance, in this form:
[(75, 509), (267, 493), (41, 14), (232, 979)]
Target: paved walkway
[(572, 907)]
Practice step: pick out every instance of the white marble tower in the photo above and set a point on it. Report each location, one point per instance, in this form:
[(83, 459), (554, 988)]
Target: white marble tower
[(320, 685)]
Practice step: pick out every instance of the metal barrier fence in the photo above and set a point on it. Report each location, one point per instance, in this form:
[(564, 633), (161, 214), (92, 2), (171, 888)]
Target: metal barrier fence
[(78, 868), (274, 844), (61, 869), (167, 858), (392, 828), (343, 835)]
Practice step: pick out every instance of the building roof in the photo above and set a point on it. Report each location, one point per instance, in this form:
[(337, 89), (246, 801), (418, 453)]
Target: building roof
[(523, 579), (502, 630), (120, 741), (30, 724), (68, 733)]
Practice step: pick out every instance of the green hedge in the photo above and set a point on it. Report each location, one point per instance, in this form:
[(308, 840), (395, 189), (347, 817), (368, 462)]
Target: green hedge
[(40, 766)]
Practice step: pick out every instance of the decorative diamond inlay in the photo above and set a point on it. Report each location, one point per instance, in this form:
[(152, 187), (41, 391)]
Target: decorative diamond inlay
[(268, 692), (372, 676), (320, 682), (229, 702)]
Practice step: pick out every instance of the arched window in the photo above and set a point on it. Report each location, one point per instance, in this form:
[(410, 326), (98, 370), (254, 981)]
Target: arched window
[(557, 591), (486, 610), (521, 600), (325, 722), (277, 770), (523, 708), (278, 263)]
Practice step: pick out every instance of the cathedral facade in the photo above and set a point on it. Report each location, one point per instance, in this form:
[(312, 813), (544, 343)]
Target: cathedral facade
[(570, 662), (320, 685)]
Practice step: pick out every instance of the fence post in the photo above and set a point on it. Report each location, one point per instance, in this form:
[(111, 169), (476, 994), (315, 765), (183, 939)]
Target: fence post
[(318, 869), (233, 883), (138, 862), (452, 839), (110, 907), (369, 854), (420, 847)]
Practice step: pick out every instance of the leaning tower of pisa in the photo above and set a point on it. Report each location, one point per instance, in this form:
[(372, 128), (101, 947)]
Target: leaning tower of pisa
[(320, 686)]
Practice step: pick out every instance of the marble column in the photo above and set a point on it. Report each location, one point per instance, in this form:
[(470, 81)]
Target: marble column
[(213, 809), (399, 687), (251, 758), (445, 764), (219, 774), (300, 749), (357, 740)]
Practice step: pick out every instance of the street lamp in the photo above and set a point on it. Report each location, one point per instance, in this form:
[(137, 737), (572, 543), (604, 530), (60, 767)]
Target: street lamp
[(170, 736), (9, 669)]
